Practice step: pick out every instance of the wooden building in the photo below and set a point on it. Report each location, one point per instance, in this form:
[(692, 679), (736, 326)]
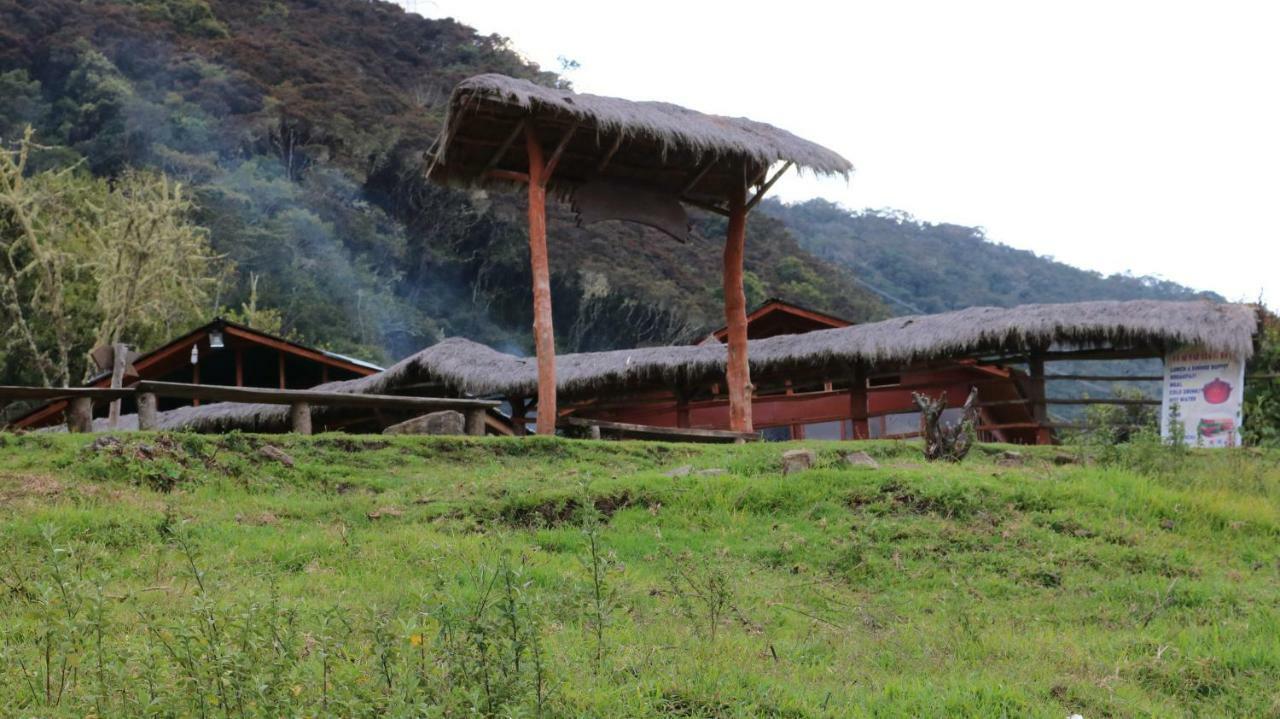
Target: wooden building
[(798, 404), (221, 353)]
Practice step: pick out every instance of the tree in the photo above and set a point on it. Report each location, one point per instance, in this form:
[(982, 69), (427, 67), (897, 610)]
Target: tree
[(85, 261)]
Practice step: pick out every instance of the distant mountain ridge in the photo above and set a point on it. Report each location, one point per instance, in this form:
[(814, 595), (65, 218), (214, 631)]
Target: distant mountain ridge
[(921, 267)]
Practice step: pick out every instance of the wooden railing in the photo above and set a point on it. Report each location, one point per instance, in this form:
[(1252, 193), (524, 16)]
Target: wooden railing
[(300, 401)]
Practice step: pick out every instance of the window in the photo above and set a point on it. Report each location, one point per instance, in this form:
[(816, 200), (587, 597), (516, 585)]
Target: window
[(908, 422), (824, 430), (776, 434)]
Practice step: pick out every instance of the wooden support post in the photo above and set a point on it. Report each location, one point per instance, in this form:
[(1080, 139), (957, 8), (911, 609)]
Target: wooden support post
[(1039, 409), (858, 403), (738, 372), (682, 407), (239, 366), (518, 417), (195, 378), (148, 411), (280, 368), (543, 333), (595, 431), (80, 414), (120, 357), (475, 422), (300, 417)]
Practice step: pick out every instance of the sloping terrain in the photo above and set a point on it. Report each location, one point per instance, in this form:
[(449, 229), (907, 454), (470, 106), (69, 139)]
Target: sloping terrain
[(281, 576)]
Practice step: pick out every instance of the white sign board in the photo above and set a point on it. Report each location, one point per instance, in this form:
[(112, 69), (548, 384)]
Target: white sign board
[(1208, 389)]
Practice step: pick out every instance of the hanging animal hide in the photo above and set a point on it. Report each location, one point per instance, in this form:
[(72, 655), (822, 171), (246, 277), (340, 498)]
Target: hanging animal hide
[(600, 200)]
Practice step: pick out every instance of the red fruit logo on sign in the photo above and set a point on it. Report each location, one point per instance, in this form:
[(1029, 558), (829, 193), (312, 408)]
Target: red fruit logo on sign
[(1217, 391)]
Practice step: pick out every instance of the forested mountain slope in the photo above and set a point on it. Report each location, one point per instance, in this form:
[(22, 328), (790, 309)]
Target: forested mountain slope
[(302, 126), (927, 267)]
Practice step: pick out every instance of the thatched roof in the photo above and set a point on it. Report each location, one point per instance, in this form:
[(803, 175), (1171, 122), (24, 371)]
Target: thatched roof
[(467, 367), (659, 145)]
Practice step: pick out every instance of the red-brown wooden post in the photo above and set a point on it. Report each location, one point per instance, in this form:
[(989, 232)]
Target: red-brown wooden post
[(738, 372), (858, 403), (1039, 409), (543, 333)]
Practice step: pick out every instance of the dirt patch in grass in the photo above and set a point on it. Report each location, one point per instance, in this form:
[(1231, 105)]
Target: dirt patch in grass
[(557, 511), (28, 486)]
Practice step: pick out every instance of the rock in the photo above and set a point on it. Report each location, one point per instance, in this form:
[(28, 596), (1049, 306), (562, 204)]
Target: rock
[(860, 459), (443, 422), (683, 470), (712, 472), (384, 512), (1061, 459), (276, 454), (798, 460)]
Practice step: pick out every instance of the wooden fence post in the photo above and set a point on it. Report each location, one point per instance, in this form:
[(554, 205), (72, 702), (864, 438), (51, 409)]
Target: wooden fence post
[(148, 412), (475, 422), (1039, 409), (300, 417), (80, 414), (858, 403)]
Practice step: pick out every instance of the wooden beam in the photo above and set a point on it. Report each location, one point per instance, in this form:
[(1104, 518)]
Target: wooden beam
[(508, 175), (858, 403), (698, 175), (543, 332), (760, 195), (290, 348), (502, 149), (550, 167), (716, 209), (737, 371), (8, 392), (265, 395), (608, 156)]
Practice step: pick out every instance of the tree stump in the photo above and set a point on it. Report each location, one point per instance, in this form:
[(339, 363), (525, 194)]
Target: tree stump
[(946, 441)]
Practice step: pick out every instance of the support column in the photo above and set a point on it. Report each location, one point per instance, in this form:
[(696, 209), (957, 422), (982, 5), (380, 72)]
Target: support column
[(80, 414), (738, 372), (543, 333), (300, 417), (518, 418), (475, 422), (1039, 410), (858, 403), (120, 356), (148, 411)]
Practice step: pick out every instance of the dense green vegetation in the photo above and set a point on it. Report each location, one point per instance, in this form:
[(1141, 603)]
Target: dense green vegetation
[(928, 267), (175, 575)]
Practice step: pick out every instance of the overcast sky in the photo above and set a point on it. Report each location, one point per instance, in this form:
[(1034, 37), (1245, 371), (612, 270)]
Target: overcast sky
[(1140, 136)]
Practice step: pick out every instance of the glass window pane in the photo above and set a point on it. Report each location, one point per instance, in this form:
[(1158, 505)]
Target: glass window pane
[(823, 430), (777, 434), (902, 423)]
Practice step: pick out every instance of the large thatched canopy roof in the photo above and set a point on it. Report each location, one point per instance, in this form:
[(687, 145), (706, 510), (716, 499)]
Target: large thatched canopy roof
[(468, 367), (656, 145)]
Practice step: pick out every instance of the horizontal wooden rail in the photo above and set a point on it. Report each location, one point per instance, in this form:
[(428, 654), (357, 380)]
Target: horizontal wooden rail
[(1106, 400), (48, 393), (261, 395), (648, 431)]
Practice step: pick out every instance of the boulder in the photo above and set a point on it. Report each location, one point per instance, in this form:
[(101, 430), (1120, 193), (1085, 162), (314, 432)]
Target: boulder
[(443, 422), (275, 454), (860, 459), (798, 460), (682, 471)]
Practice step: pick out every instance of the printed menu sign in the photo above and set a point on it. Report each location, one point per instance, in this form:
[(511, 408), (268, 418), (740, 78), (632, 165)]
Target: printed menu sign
[(1207, 388)]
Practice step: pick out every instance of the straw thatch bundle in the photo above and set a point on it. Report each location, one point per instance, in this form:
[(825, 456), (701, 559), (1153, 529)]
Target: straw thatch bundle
[(470, 368), (658, 143)]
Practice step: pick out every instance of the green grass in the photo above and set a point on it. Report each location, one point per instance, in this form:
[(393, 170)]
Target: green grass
[(178, 575)]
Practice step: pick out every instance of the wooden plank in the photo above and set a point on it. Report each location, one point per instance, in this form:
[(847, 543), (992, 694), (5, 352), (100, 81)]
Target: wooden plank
[(262, 395), (554, 160), (508, 175), (502, 149), (647, 431), (608, 156)]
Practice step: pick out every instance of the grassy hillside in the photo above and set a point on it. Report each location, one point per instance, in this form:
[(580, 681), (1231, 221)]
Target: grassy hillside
[(197, 576)]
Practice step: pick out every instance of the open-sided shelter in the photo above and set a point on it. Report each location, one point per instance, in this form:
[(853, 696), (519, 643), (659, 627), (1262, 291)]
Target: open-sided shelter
[(620, 159)]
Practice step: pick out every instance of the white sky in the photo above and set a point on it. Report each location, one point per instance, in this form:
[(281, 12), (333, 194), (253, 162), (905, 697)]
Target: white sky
[(1114, 136)]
